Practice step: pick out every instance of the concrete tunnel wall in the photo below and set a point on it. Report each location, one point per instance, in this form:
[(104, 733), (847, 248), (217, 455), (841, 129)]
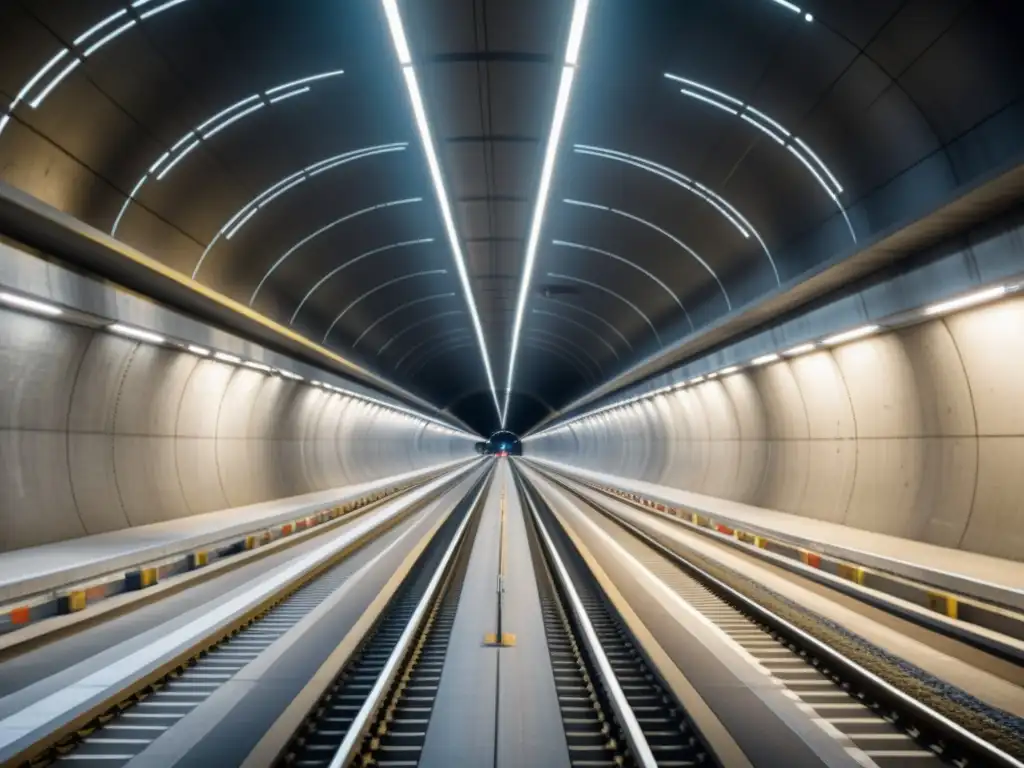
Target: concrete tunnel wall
[(916, 433), (99, 433)]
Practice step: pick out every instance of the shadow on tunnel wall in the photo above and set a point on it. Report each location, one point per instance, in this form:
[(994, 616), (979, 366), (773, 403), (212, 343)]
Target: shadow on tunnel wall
[(916, 433), (100, 433)]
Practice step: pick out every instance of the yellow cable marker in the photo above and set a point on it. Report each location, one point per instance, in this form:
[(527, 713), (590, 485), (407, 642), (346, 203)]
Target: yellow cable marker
[(501, 639)]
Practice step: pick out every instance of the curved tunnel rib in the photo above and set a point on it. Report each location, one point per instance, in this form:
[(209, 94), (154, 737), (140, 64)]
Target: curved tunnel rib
[(349, 263), (247, 211), (415, 325), (322, 230), (398, 309), (610, 292), (578, 324), (712, 198), (446, 335), (378, 288), (663, 232), (637, 267), (572, 345), (593, 316)]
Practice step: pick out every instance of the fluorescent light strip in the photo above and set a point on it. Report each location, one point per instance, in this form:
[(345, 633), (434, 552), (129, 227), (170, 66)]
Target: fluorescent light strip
[(160, 9), (788, 5), (710, 101), (242, 223), (197, 350), (800, 349), (54, 83), (423, 127), (540, 208), (175, 161), (136, 333), (224, 357), (856, 333), (182, 141), (233, 119), (728, 371), (159, 162), (807, 164), (966, 301), (107, 38), (99, 25), (304, 80), (666, 173), (810, 152), (31, 305), (283, 96), (774, 123), (281, 191), (257, 366), (765, 359), (701, 86), (764, 129), (576, 27), (346, 160), (238, 104)]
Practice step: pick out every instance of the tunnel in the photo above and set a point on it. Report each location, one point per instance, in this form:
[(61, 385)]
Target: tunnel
[(512, 382)]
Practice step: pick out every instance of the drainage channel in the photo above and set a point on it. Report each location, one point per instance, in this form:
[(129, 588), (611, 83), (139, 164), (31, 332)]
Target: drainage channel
[(120, 734), (658, 732), (396, 730)]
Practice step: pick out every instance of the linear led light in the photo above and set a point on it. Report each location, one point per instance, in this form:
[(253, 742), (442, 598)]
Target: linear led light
[(108, 37), (764, 129), (404, 55), (572, 52), (224, 357), (160, 8), (227, 110), (31, 305), (729, 371), (856, 333), (697, 380), (290, 375), (289, 94), (963, 302), (765, 359), (257, 366), (702, 87), (137, 333), (232, 119), (178, 159), (197, 350), (41, 96), (800, 349), (99, 25), (304, 80), (709, 100)]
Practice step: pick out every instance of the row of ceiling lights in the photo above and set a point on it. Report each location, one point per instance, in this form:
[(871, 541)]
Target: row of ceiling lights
[(46, 309), (854, 334)]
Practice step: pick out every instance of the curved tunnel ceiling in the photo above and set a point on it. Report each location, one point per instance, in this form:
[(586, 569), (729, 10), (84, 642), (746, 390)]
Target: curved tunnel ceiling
[(713, 150)]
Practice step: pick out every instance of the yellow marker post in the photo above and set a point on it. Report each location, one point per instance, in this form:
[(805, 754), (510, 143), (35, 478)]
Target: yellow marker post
[(500, 638)]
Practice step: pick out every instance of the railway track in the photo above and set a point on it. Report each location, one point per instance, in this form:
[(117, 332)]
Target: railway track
[(879, 722)]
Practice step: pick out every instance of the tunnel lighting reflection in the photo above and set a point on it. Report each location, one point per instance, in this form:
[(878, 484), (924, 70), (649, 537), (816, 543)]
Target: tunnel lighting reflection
[(765, 359), (856, 333), (224, 357), (137, 333), (963, 302), (197, 350), (31, 305), (401, 45), (801, 349)]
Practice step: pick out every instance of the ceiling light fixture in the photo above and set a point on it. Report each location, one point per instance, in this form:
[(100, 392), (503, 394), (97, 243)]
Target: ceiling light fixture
[(856, 333), (137, 333), (980, 297), (765, 359), (31, 305), (197, 350), (224, 357), (729, 371), (800, 349), (398, 38), (570, 62)]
